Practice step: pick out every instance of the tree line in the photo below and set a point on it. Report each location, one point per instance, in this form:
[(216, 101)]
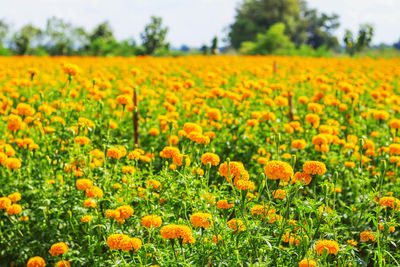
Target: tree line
[(263, 27)]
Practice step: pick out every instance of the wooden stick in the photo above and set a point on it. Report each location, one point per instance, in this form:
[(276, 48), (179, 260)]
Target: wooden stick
[(290, 106), (135, 119), (274, 67)]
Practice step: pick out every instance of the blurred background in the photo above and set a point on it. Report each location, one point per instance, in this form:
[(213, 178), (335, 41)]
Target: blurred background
[(187, 27)]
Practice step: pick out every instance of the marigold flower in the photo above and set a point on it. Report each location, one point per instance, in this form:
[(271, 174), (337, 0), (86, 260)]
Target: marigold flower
[(154, 184), (302, 177), (89, 203), (151, 221), (278, 170), (86, 218), (391, 202), (330, 245), (82, 140), (13, 163), (223, 204), (307, 263), (14, 197), (125, 211), (5, 202), (279, 193), (299, 144), (174, 231), (84, 184), (63, 263), (211, 158), (236, 225), (58, 249), (245, 185), (365, 236), (200, 219), (14, 209), (314, 167), (70, 69), (36, 262), (94, 191)]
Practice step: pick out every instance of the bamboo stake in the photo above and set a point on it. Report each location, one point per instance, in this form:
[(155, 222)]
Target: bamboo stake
[(135, 120)]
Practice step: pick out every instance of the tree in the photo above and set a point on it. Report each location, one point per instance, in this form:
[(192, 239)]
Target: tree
[(23, 41), (102, 31), (256, 16), (63, 37), (319, 28), (204, 49), (3, 30), (273, 41), (397, 45), (364, 38), (302, 25), (154, 35), (214, 45)]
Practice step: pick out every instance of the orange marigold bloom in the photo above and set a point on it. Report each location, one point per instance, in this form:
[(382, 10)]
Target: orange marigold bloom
[(114, 240), (70, 69), (153, 184), (190, 127), (307, 263), (83, 184), (279, 193), (174, 231), (154, 131), (211, 158), (89, 203), (170, 152), (214, 114), (86, 218), (223, 204), (391, 202), (302, 177), (299, 144), (25, 109), (245, 185), (82, 140), (277, 169), (151, 221), (115, 153), (365, 236), (14, 209), (314, 167), (236, 225), (201, 219), (58, 249), (14, 197), (13, 163), (63, 263), (235, 169), (265, 211), (349, 164), (36, 262), (14, 123), (94, 191), (330, 245), (125, 211), (128, 243), (5, 202)]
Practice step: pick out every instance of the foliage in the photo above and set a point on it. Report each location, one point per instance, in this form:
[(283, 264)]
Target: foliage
[(302, 25), (364, 38), (273, 41), (154, 35)]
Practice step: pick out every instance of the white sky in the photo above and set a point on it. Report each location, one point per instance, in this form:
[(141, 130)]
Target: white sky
[(190, 22)]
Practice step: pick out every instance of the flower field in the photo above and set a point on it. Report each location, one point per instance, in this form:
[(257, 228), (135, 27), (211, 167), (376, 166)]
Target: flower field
[(199, 161)]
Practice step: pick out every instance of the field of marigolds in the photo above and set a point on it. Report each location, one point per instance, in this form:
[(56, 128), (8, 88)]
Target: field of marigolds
[(199, 161)]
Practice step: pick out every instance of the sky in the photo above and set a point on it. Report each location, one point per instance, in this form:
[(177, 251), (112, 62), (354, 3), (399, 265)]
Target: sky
[(190, 22)]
